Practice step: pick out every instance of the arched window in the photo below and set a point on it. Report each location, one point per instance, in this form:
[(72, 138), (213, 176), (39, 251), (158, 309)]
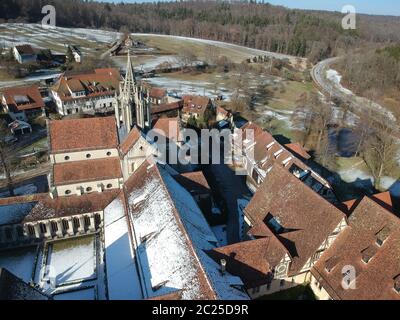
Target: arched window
[(65, 225), (87, 221), (54, 226), (43, 228), (76, 223)]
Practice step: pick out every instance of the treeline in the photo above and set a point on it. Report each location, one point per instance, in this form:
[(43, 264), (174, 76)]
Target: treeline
[(375, 75), (316, 35)]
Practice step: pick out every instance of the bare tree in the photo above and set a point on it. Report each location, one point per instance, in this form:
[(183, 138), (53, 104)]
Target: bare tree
[(380, 153), (211, 54), (5, 158), (186, 58)]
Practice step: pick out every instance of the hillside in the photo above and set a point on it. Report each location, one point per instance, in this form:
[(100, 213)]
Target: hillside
[(316, 35)]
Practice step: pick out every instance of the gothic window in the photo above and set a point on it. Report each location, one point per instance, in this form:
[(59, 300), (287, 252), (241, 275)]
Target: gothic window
[(43, 228), (76, 223), (65, 225), (87, 221), (54, 226)]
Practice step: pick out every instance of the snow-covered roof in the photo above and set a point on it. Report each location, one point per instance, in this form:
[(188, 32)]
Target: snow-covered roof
[(172, 234), (122, 275), (202, 239), (14, 212)]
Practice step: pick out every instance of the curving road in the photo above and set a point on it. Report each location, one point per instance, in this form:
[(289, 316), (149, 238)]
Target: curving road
[(356, 104)]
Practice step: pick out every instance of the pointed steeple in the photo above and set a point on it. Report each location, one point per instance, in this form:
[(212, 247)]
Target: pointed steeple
[(129, 81)]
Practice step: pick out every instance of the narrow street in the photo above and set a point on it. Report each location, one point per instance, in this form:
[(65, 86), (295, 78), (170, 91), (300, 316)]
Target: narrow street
[(231, 187)]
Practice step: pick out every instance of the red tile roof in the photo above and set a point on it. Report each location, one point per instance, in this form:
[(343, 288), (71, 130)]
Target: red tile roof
[(130, 140), (383, 198), (169, 127), (86, 170), (308, 219), (166, 107), (251, 260), (100, 82), (375, 279), (157, 93), (194, 182), (22, 98), (298, 150), (82, 134), (195, 104), (25, 49), (48, 208)]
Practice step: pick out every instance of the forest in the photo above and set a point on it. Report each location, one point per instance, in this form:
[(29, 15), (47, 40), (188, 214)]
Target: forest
[(313, 34)]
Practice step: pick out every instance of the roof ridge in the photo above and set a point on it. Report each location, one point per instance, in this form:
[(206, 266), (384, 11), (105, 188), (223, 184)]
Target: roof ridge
[(186, 233)]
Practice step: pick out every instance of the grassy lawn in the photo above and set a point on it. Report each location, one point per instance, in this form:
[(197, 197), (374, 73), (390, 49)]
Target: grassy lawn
[(301, 292), (286, 100)]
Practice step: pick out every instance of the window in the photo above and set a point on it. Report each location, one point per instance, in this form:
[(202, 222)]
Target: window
[(31, 230), (65, 225), (67, 191), (66, 158), (88, 189), (282, 283), (76, 223), (87, 221), (88, 156), (54, 226), (43, 228), (109, 186), (109, 153)]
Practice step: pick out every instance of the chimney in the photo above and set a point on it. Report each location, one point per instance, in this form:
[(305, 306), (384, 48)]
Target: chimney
[(223, 266)]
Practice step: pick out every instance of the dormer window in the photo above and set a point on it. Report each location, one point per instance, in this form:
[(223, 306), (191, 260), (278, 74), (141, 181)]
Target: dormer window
[(274, 223), (382, 235), (331, 263), (368, 253)]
